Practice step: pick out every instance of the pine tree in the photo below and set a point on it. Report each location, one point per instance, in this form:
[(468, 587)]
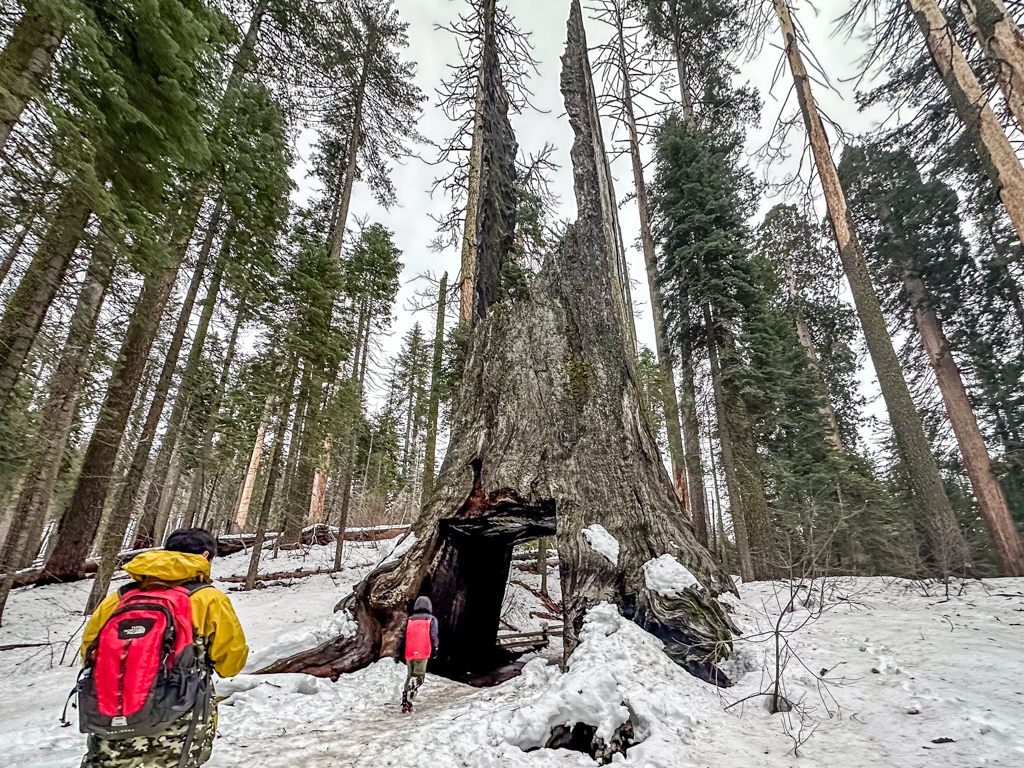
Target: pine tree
[(933, 511), (700, 209), (912, 231), (372, 117)]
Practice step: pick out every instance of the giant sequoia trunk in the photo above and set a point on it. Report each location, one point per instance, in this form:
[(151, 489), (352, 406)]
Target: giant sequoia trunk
[(548, 438), (1002, 531)]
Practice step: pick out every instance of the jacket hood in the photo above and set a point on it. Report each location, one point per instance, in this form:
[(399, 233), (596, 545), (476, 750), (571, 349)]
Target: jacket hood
[(423, 605), (161, 565)]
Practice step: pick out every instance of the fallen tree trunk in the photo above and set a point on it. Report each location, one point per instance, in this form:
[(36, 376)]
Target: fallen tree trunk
[(548, 438), (39, 576)]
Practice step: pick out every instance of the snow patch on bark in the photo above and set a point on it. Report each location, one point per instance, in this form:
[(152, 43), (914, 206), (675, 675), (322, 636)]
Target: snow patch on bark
[(289, 643), (602, 542), (667, 576), (400, 547)]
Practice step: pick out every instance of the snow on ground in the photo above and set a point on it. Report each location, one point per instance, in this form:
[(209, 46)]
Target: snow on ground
[(911, 678)]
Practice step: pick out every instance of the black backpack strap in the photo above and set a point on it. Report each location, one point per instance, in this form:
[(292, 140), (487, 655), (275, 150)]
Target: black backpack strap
[(131, 585), (195, 586)]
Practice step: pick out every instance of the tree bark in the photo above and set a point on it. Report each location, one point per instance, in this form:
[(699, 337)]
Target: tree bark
[(692, 503), (268, 493), (467, 273), (25, 62), (127, 496), (973, 109), (156, 494), (725, 445), (548, 426), (1002, 531), (245, 499), (430, 448), (210, 431), (352, 156), (31, 300), (55, 421), (80, 522), (947, 548), (1002, 44)]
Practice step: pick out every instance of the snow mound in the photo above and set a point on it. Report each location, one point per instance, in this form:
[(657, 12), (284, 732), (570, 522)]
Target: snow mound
[(667, 576), (289, 643), (602, 542), (617, 673)]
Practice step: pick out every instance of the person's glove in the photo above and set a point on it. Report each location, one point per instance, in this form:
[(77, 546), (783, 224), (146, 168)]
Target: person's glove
[(398, 659)]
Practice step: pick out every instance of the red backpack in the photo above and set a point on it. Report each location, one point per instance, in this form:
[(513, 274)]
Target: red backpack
[(417, 639), (144, 670)]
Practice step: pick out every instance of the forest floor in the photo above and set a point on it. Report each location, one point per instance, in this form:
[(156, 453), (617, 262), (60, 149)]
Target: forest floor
[(883, 672)]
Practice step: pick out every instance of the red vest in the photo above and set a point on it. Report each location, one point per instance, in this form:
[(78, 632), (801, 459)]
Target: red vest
[(417, 639)]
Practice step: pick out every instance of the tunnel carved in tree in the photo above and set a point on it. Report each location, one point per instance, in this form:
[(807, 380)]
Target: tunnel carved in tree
[(548, 433)]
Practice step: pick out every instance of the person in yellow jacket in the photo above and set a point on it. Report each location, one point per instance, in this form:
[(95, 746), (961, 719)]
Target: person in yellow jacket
[(185, 559)]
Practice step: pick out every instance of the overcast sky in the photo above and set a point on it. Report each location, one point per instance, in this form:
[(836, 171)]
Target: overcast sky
[(435, 50)]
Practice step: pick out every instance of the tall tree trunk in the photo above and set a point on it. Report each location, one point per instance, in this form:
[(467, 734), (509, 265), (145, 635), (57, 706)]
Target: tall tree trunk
[(691, 501), (973, 109), (351, 157), (27, 306), (725, 443), (687, 387), (1002, 531), (55, 421), (165, 503), (127, 496), (27, 223), (345, 498), (268, 494), (156, 494), (80, 522), (300, 487), (430, 447), (1003, 46), (249, 483), (947, 548), (547, 431), (716, 509), (470, 229), (25, 62), (803, 333), (211, 428)]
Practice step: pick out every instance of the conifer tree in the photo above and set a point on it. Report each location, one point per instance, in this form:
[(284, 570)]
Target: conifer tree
[(935, 519), (700, 209), (912, 231)]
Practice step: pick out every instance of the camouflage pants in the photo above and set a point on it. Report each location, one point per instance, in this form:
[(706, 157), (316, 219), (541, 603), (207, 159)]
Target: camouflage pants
[(163, 751)]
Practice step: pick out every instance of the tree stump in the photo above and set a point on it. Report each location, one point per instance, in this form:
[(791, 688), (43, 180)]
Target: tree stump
[(548, 438)]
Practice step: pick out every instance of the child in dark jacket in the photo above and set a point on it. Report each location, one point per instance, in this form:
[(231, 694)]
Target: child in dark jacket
[(418, 645)]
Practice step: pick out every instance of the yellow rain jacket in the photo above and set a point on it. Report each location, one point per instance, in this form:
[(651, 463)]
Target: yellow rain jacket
[(213, 616)]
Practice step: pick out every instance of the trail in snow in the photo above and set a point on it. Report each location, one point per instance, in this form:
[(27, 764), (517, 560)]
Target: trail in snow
[(908, 669)]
